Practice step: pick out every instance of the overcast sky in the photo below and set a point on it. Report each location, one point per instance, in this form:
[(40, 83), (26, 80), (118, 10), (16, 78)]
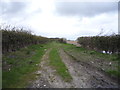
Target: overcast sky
[(61, 18)]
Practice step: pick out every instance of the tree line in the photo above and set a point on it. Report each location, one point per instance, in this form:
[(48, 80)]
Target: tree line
[(109, 44)]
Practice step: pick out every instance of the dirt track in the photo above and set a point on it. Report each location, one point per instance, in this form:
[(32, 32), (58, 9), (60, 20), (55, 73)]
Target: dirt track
[(83, 76), (74, 43)]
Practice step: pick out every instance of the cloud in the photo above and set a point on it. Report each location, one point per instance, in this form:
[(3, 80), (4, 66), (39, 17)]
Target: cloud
[(12, 8), (12, 12), (85, 8), (92, 26), (17, 12), (51, 19)]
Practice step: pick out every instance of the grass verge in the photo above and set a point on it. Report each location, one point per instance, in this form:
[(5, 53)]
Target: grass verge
[(60, 67), (18, 67), (97, 59)]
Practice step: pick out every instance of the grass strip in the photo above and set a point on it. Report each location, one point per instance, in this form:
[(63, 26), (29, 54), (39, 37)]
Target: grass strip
[(60, 67)]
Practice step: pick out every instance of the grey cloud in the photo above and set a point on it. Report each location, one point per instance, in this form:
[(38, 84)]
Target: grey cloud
[(16, 11), (12, 7), (85, 8), (12, 11)]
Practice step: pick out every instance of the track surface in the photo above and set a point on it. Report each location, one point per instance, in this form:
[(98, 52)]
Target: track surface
[(83, 75)]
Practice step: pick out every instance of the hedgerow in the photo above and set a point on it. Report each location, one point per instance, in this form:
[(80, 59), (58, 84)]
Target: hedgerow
[(13, 39), (101, 43)]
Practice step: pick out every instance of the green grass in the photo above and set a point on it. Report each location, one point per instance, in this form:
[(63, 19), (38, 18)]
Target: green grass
[(22, 64), (85, 55), (114, 73), (60, 67), (92, 53)]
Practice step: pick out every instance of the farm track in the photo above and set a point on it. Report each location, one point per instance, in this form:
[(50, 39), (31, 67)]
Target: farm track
[(83, 76), (48, 77), (86, 76)]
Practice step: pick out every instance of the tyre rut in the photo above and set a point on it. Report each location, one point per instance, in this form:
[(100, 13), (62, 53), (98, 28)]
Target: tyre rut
[(86, 76)]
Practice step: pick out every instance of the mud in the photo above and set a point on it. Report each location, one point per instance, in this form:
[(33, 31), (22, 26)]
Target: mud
[(86, 75), (48, 76), (83, 75)]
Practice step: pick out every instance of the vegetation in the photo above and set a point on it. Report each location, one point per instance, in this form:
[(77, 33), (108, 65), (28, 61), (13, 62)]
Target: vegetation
[(14, 39), (22, 52), (101, 43), (94, 58), (60, 67), (61, 40), (109, 44), (18, 67)]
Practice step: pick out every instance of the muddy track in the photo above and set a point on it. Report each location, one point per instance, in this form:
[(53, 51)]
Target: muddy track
[(48, 77), (86, 76), (83, 76), (92, 67), (41, 81)]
